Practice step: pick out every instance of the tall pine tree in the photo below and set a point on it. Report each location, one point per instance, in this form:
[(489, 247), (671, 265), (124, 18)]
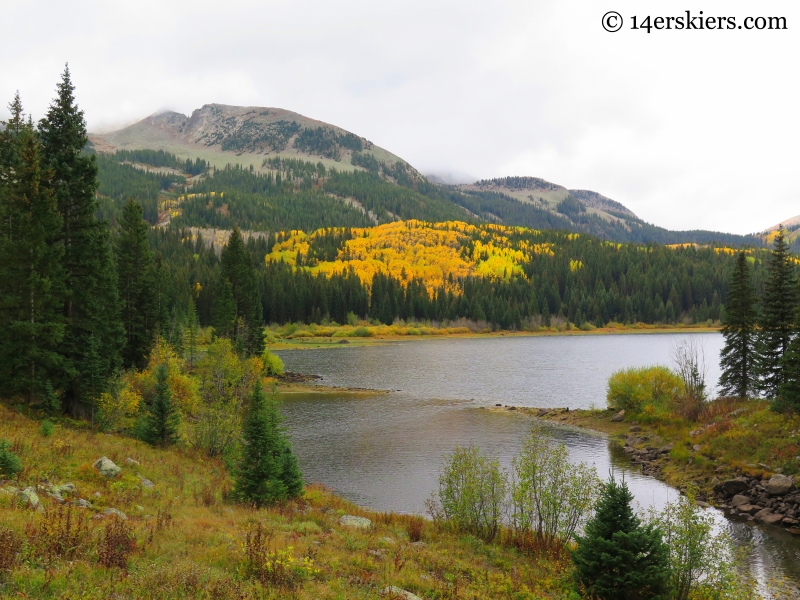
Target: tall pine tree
[(237, 269), (619, 558), (162, 419), (739, 330), (777, 318), (267, 472), (136, 285), (91, 306), (31, 278)]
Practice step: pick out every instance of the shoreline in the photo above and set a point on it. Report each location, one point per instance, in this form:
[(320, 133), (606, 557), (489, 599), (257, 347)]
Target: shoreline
[(749, 493), (313, 343)]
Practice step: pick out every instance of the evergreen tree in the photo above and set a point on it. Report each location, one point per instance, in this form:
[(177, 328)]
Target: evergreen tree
[(31, 279), (237, 269), (618, 558), (737, 356), (267, 472), (190, 334), (91, 306), (136, 285), (777, 318), (789, 396), (223, 309), (163, 419)]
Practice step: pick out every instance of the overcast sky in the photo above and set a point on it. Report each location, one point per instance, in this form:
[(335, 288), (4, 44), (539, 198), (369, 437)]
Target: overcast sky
[(689, 129)]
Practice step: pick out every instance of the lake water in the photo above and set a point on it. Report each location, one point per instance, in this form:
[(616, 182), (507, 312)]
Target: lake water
[(384, 450)]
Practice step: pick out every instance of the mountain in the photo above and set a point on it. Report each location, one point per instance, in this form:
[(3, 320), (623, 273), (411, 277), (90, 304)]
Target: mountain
[(281, 170), (222, 134), (792, 226)]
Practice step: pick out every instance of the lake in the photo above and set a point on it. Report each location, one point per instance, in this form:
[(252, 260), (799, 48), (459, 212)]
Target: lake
[(384, 450)]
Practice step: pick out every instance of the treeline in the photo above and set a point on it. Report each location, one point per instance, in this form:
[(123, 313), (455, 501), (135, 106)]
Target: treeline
[(586, 282), (159, 158)]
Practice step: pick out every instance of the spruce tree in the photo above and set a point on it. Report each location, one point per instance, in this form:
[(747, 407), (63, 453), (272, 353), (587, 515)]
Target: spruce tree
[(739, 331), (31, 278), (619, 558), (190, 334), (237, 269), (162, 419), (267, 472), (91, 305), (777, 318), (136, 285)]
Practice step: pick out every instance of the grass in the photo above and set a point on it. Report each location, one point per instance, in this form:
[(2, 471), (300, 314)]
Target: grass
[(736, 437), (182, 539)]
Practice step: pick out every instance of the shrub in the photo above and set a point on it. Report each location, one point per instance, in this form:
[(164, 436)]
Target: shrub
[(361, 332), (550, 497), (10, 464), (10, 548), (414, 528), (472, 493), (46, 428), (274, 567), (273, 365), (637, 388), (62, 532), (116, 544)]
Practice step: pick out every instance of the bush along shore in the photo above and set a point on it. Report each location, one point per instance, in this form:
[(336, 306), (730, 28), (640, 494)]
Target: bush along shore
[(740, 456)]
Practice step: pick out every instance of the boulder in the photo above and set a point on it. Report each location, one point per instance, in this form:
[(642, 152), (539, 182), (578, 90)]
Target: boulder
[(106, 467), (730, 487), (117, 513), (619, 417), (768, 518), (739, 500), (790, 522), (29, 498), (778, 485), (666, 449), (749, 509), (146, 483), (355, 522), (399, 593)]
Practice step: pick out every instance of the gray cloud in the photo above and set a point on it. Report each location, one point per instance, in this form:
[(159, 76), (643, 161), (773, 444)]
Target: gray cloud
[(688, 128)]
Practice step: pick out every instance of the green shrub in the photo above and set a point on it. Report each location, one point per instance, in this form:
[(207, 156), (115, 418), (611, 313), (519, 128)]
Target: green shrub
[(46, 428), (643, 389), (472, 493), (361, 332), (10, 464), (273, 365)]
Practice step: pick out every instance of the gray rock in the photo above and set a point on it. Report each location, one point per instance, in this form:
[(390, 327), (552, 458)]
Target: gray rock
[(29, 498), (635, 429), (117, 513), (146, 483), (619, 417), (778, 485), (395, 592), (739, 500), (81, 503), (732, 486), (697, 447), (355, 522), (131, 462), (666, 449), (106, 467)]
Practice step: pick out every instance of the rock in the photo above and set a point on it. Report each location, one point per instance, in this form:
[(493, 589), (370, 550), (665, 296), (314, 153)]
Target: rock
[(355, 522), (29, 498), (81, 503), (619, 417), (778, 485), (697, 447), (146, 483), (739, 500), (702, 504), (98, 495), (738, 411), (666, 449), (633, 441), (635, 429), (749, 508), (714, 480), (106, 467), (768, 518), (790, 522), (117, 513), (131, 462), (794, 530), (395, 592), (732, 486), (419, 544)]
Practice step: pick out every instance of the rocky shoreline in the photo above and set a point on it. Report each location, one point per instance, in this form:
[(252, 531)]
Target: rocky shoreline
[(773, 499)]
